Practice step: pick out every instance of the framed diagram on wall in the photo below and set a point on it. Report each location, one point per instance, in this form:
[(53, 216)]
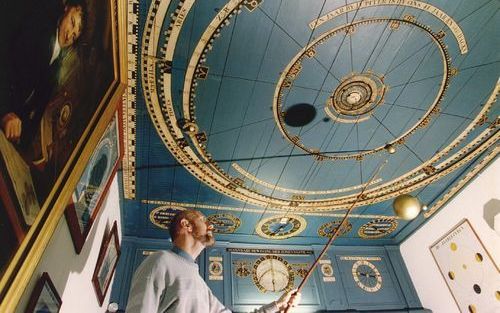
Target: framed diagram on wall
[(106, 263), (468, 269)]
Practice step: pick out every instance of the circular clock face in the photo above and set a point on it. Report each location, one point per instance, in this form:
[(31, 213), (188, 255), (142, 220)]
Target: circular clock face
[(281, 226), (378, 228), (366, 276), (224, 223), (328, 229), (272, 273)]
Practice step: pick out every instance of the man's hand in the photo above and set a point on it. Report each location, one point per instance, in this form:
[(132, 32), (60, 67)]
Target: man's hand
[(291, 297), (12, 126)]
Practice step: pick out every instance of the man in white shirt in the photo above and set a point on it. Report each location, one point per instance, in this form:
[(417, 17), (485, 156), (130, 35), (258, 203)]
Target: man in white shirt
[(169, 281)]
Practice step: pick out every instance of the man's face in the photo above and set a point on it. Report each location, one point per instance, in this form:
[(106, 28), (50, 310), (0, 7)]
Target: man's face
[(70, 27), (202, 230)]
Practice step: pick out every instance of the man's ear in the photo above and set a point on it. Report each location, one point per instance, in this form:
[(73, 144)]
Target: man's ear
[(185, 224)]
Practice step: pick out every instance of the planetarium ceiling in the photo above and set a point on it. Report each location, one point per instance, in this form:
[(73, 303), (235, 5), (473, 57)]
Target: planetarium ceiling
[(275, 117)]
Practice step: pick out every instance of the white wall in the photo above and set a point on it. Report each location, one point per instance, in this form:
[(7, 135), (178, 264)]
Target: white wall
[(430, 285), (72, 273)]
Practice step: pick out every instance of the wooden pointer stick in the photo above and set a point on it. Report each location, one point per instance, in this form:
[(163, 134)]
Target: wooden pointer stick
[(335, 234)]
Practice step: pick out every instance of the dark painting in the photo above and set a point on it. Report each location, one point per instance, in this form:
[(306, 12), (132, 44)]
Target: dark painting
[(59, 70)]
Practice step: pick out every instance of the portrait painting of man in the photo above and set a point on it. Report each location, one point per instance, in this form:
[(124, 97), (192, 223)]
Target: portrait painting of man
[(57, 59)]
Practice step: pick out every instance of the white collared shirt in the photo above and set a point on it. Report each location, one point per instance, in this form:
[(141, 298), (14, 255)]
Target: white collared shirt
[(57, 49)]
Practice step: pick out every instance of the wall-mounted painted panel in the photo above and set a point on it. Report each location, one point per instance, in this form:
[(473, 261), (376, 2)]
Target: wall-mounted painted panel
[(245, 276), (262, 275)]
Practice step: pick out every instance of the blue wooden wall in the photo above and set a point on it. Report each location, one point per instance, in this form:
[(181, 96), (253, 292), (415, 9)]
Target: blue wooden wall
[(335, 291)]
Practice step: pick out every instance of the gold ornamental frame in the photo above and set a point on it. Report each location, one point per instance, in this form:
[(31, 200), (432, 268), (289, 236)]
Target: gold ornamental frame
[(21, 267)]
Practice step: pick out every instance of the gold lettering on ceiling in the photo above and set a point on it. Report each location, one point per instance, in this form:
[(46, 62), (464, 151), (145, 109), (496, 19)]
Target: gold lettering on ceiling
[(180, 17), (438, 13)]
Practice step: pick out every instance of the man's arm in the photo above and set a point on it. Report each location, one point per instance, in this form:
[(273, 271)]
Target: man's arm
[(147, 287)]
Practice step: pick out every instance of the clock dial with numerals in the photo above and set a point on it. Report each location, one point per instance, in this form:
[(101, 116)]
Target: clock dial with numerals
[(281, 226), (366, 276), (378, 228), (224, 223), (272, 273)]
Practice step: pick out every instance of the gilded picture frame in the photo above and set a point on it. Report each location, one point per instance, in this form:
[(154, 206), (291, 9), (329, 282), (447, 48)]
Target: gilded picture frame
[(92, 187), (76, 98), (106, 263)]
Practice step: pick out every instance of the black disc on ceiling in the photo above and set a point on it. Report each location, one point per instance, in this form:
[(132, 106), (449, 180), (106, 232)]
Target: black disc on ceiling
[(300, 114)]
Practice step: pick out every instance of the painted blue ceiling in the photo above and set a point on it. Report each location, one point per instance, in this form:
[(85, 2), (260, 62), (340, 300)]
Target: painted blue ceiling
[(426, 74)]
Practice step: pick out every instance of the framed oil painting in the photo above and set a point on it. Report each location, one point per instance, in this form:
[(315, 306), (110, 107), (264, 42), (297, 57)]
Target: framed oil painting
[(91, 189), (468, 269), (63, 72), (44, 298), (106, 263)]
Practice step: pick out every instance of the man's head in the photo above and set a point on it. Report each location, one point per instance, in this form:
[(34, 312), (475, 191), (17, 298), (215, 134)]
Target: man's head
[(71, 24), (192, 223)]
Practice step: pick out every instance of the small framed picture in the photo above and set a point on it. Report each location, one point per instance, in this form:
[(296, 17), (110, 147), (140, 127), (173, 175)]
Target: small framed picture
[(44, 298), (106, 263), (90, 193)]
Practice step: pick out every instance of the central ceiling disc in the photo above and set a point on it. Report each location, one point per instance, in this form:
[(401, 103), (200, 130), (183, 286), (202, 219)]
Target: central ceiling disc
[(300, 114)]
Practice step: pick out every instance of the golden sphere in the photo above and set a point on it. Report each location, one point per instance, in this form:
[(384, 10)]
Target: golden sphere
[(406, 207), (390, 148)]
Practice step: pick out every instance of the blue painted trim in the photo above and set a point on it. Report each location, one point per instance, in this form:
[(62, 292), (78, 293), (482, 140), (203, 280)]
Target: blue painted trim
[(403, 277)]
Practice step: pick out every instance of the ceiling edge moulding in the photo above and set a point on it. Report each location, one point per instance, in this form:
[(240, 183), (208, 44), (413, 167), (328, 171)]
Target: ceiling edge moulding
[(458, 186), (190, 148), (480, 119), (176, 205), (130, 101)]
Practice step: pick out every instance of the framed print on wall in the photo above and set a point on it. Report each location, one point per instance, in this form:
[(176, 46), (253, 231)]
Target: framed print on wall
[(44, 297), (106, 263), (468, 269), (91, 189), (61, 101)]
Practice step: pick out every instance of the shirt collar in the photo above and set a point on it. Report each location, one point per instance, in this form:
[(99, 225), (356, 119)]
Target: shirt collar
[(57, 49), (182, 253)]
